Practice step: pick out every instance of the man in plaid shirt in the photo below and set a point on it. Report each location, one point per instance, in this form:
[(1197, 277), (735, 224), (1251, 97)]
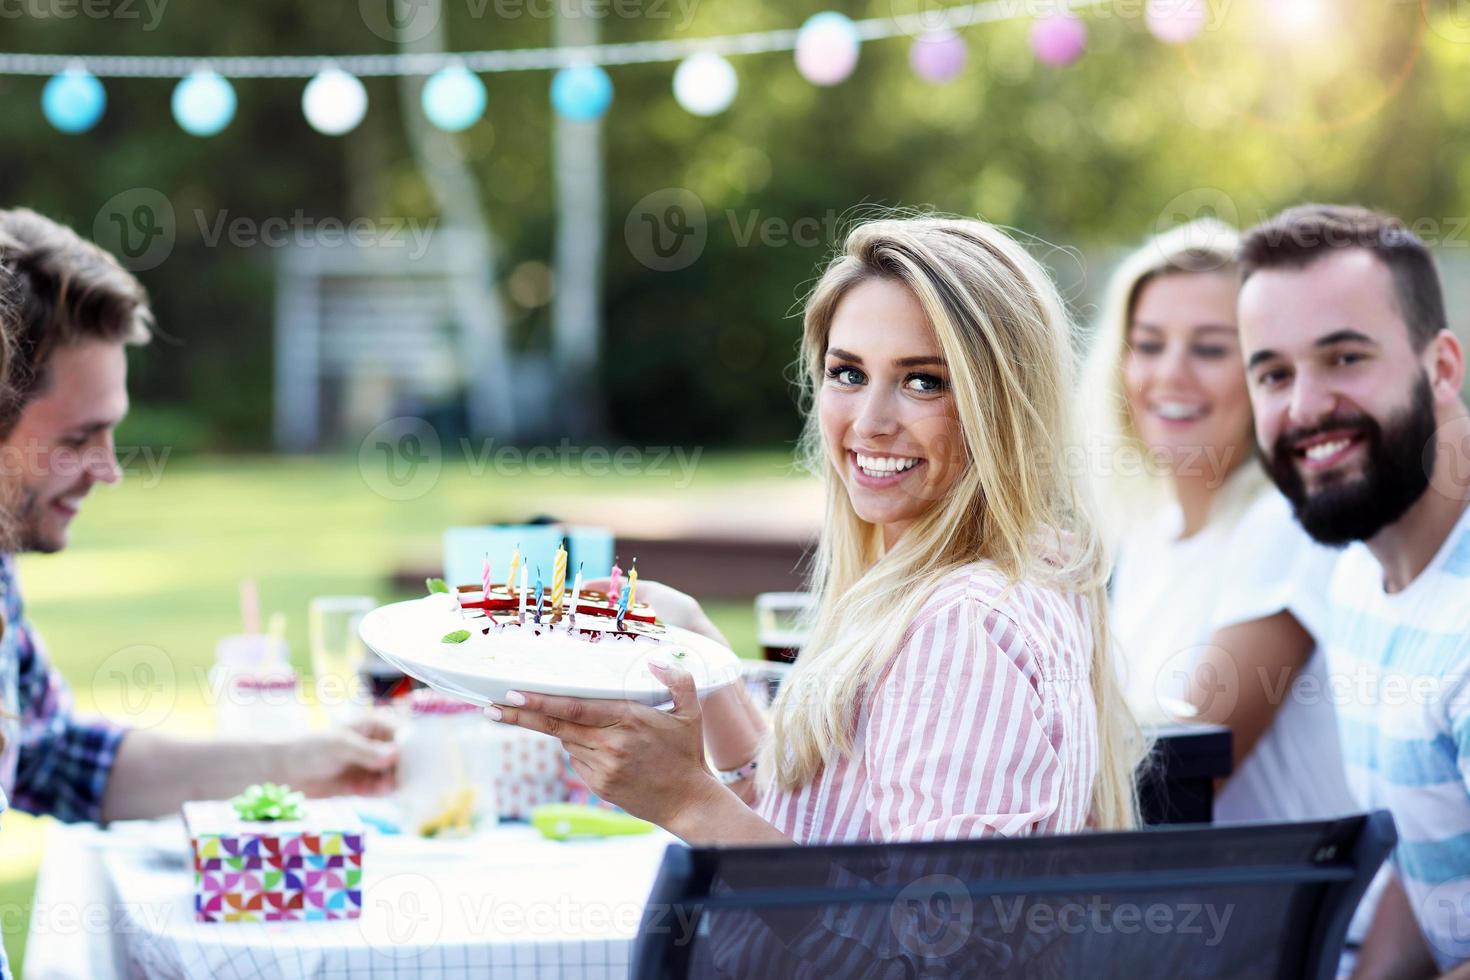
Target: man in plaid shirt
[(73, 311), (58, 764)]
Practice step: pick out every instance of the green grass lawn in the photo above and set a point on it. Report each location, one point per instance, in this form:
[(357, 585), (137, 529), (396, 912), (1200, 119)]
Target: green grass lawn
[(130, 612)]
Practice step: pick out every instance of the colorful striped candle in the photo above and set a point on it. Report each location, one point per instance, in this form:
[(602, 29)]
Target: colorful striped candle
[(558, 577), (485, 576), (515, 563), (623, 604), (522, 593), (576, 598), (540, 597), (616, 589), (633, 582)]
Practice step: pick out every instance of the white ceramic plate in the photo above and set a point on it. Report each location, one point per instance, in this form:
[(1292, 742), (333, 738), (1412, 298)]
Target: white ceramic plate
[(409, 636)]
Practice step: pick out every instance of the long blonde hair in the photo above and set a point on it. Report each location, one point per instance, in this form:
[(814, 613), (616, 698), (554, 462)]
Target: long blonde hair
[(1128, 483), (1004, 336)]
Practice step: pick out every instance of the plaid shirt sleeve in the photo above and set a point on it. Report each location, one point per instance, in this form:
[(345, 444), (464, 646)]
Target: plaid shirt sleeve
[(64, 762)]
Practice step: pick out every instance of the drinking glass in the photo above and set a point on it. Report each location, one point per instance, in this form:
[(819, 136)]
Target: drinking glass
[(781, 620), (337, 653)]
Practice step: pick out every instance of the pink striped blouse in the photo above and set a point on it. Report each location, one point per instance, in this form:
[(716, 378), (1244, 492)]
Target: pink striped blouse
[(983, 723)]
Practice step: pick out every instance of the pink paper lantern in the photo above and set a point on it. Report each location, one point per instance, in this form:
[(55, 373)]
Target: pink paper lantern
[(1058, 40), (938, 56), (1175, 21), (827, 48)]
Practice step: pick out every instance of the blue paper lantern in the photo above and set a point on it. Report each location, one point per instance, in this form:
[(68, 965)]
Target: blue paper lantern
[(581, 92), (204, 103), (454, 98), (73, 100)]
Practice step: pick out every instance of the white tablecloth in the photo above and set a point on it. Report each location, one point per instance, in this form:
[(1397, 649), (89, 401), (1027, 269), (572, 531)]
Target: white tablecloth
[(506, 903)]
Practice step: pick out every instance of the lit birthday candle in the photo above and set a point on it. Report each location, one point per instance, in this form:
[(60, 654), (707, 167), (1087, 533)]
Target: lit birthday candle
[(522, 617), (576, 597), (632, 581), (558, 577), (623, 604), (616, 589), (540, 597), (485, 576), (515, 563)]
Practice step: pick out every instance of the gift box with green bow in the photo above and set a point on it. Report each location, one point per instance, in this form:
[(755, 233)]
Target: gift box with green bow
[(269, 855)]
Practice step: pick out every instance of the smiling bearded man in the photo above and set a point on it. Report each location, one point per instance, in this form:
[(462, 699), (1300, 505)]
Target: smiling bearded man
[(1356, 383)]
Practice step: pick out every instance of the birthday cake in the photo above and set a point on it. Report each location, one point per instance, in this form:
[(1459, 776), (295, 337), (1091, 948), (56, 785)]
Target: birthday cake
[(556, 633), (481, 642)]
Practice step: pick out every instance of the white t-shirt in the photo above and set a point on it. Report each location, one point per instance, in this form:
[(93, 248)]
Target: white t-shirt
[(1251, 561)]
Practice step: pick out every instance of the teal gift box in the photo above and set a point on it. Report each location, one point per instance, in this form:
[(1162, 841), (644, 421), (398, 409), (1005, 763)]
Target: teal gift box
[(465, 550)]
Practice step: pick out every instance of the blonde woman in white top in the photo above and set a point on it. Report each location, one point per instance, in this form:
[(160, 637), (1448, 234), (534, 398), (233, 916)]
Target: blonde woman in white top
[(1217, 593)]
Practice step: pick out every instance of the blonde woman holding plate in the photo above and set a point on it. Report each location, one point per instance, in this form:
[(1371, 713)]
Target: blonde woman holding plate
[(957, 682)]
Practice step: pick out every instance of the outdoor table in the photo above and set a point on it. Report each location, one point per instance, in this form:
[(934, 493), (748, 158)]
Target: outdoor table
[(506, 903)]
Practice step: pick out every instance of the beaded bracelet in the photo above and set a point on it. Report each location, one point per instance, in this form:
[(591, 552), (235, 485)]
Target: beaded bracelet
[(730, 776)]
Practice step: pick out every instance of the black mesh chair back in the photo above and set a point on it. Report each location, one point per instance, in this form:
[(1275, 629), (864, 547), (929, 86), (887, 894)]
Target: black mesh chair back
[(1248, 901)]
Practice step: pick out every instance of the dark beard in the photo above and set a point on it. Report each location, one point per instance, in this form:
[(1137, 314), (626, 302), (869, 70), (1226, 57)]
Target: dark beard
[(1400, 459)]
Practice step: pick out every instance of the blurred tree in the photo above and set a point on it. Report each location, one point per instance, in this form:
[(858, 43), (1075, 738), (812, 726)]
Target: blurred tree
[(1258, 112)]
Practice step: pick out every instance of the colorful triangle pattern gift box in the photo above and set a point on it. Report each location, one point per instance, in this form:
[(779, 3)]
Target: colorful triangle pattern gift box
[(306, 870)]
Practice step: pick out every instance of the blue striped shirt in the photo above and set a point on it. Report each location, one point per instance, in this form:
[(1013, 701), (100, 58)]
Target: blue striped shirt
[(1400, 679)]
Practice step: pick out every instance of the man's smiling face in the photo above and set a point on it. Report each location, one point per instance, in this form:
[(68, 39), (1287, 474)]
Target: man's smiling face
[(1343, 407), (62, 445)]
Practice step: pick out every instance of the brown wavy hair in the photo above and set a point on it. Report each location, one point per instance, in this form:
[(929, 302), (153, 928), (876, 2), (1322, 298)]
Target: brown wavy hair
[(64, 290), (9, 328)]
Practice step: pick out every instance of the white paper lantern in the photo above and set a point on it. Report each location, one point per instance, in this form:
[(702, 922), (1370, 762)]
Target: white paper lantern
[(334, 102), (1178, 21), (454, 98), (203, 103), (827, 48), (705, 84)]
